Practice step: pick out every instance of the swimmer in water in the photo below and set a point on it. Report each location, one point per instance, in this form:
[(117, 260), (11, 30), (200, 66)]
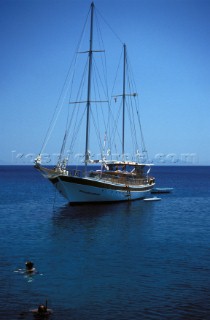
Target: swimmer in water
[(42, 311), (30, 267), (29, 272)]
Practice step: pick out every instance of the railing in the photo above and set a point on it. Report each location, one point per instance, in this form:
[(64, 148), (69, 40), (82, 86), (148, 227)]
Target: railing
[(126, 180)]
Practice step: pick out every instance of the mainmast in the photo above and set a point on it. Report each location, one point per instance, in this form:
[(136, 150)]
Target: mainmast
[(123, 99), (89, 88)]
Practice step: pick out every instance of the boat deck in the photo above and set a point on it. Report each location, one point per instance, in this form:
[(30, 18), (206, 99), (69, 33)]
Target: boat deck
[(122, 178)]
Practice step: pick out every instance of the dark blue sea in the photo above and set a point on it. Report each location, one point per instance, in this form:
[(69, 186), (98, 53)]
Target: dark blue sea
[(125, 261)]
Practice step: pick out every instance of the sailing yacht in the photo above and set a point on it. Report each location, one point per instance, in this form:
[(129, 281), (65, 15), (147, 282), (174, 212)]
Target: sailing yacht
[(113, 177)]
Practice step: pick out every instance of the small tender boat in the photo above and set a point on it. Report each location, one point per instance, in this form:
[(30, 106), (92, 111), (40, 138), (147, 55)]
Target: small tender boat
[(161, 190), (152, 199)]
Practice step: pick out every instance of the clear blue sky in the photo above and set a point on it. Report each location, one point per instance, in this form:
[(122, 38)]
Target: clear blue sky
[(169, 41)]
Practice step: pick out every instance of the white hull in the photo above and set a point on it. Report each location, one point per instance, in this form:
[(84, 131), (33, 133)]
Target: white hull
[(82, 193)]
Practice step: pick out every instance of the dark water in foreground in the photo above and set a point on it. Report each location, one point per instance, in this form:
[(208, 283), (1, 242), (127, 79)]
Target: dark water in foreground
[(126, 261)]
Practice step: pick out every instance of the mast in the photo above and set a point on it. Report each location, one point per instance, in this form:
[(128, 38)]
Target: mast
[(89, 87), (123, 99)]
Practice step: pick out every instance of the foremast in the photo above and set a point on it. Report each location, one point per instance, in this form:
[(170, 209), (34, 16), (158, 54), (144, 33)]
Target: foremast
[(123, 99)]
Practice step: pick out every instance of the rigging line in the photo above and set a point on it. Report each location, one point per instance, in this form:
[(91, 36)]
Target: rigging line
[(82, 83), (139, 122), (77, 50), (115, 80), (72, 82), (142, 137), (115, 123), (56, 111), (137, 111), (74, 111), (97, 131), (62, 147), (97, 73), (131, 111), (53, 123), (117, 72), (96, 89), (135, 133), (132, 126), (53, 119), (77, 129), (116, 151), (103, 61), (97, 113), (68, 123), (104, 69), (103, 57), (108, 25), (111, 115), (78, 97), (141, 131), (110, 129), (101, 131), (71, 86), (106, 89), (115, 130)]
